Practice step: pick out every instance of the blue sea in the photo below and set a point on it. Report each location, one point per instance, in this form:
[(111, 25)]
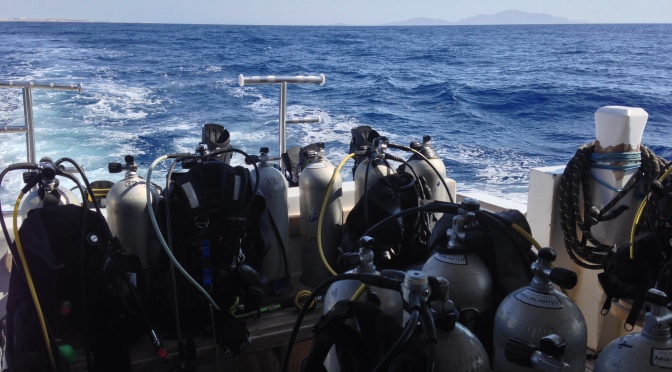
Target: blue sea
[(497, 100)]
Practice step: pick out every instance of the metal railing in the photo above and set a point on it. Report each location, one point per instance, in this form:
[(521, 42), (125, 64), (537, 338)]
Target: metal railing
[(283, 81), (29, 127)]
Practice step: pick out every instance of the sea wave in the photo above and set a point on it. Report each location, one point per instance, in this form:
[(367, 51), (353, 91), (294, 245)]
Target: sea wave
[(496, 100)]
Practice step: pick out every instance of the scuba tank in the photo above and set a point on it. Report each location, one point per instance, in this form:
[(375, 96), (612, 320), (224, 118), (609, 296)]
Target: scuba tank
[(389, 301), (127, 213), (466, 272), (539, 310), (372, 167), (423, 169), (457, 349), (648, 350), (274, 187), (313, 185), (48, 190)]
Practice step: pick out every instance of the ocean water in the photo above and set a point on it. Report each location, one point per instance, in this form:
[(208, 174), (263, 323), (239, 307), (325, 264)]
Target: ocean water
[(497, 100)]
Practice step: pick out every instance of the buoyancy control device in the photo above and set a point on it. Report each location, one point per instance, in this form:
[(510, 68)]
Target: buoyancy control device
[(402, 243), (219, 231), (635, 266), (388, 196), (648, 350), (389, 301), (48, 191), (537, 310), (321, 212), (69, 284), (127, 215)]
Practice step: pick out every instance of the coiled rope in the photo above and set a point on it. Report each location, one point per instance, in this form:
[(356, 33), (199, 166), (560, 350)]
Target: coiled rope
[(576, 181)]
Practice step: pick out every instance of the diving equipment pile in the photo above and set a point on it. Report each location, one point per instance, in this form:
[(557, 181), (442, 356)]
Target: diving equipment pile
[(70, 281)]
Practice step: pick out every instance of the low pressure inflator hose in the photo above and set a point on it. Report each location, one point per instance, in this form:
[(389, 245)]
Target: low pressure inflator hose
[(155, 224)]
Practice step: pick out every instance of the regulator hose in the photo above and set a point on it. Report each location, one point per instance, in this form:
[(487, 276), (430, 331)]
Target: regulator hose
[(159, 235), (401, 341), (320, 220), (575, 182), (31, 284), (435, 207), (89, 190)]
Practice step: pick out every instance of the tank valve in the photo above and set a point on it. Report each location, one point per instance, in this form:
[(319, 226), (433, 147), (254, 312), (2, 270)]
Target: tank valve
[(548, 357)]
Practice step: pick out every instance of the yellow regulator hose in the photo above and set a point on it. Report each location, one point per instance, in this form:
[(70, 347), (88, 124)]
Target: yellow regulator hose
[(31, 285), (527, 236), (322, 211)]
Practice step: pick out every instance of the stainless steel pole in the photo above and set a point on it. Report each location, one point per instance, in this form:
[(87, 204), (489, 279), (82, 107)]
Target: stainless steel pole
[(30, 129)]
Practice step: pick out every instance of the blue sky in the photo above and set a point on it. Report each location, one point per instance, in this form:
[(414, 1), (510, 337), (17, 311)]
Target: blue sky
[(328, 12)]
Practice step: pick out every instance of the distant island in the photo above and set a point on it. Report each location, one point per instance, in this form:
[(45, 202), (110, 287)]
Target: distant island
[(40, 20), (507, 17)]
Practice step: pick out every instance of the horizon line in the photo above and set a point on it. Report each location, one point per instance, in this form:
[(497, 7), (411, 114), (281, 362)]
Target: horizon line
[(389, 24)]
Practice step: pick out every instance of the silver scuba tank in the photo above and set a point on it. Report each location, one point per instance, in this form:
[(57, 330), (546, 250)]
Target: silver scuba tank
[(468, 275), (49, 185), (457, 348), (127, 214), (422, 168), (648, 350), (538, 310), (274, 187), (390, 301), (313, 184), (372, 167)]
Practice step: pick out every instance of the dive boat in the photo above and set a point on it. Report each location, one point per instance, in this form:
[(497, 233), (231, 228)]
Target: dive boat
[(271, 325)]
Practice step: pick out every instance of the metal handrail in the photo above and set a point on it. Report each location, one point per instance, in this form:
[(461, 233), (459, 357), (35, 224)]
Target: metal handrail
[(283, 81), (29, 127)]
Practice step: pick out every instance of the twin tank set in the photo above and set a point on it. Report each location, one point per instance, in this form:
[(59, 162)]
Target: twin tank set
[(536, 327)]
